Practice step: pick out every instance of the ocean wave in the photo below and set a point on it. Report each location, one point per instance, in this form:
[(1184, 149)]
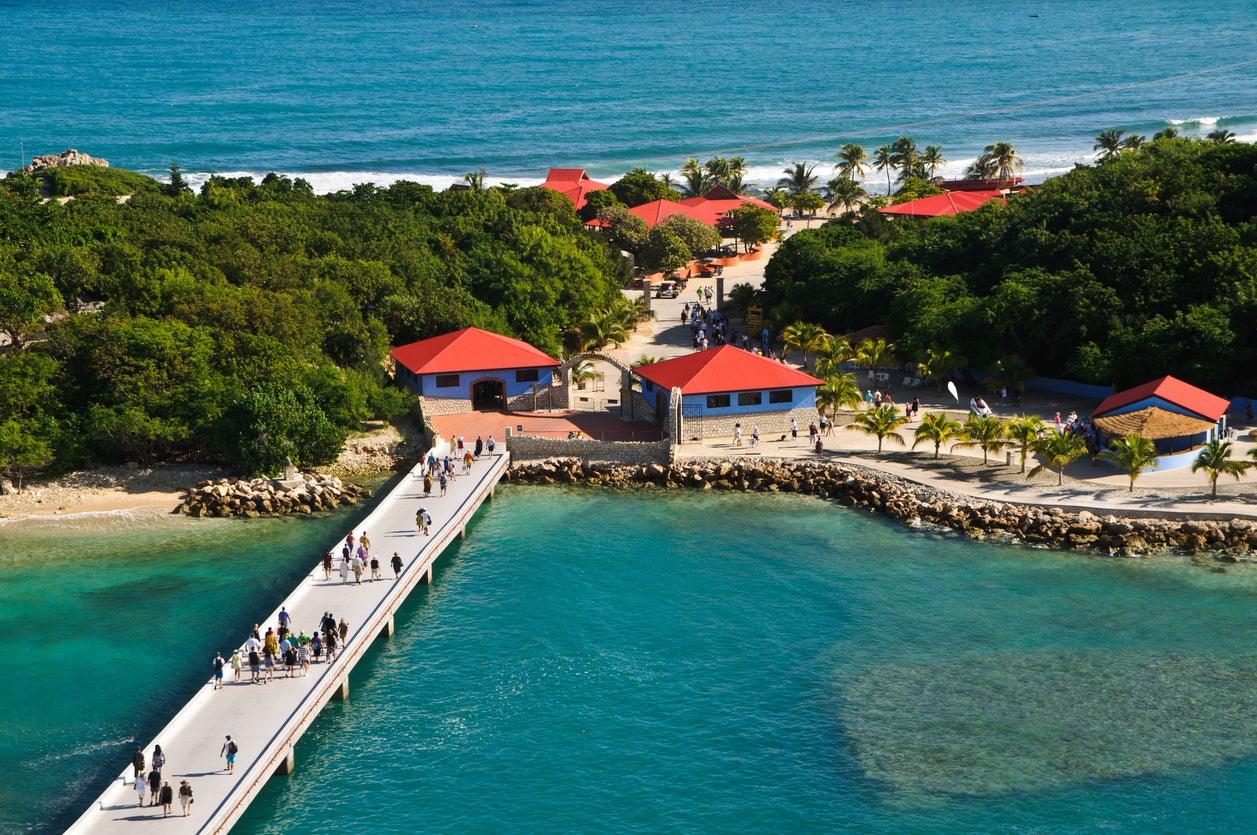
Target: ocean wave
[(1198, 121)]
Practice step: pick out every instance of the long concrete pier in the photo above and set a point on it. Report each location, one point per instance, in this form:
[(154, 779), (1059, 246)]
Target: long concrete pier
[(267, 720)]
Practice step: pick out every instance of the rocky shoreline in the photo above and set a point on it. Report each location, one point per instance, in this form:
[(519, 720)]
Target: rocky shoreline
[(306, 493), (854, 486)]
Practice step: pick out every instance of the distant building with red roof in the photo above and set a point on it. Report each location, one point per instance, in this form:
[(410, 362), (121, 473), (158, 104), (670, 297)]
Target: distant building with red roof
[(657, 211), (1176, 415), (714, 206), (725, 385), (940, 205), (473, 369), (572, 182)]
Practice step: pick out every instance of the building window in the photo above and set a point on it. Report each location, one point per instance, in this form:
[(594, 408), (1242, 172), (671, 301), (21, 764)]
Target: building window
[(447, 381), (782, 396), (527, 375), (750, 398), (648, 385), (717, 401)]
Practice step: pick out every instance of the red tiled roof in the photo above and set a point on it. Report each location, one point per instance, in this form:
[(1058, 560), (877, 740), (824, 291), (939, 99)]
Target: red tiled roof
[(721, 200), (657, 211), (1171, 389), (573, 182), (724, 369), (470, 349), (938, 205)]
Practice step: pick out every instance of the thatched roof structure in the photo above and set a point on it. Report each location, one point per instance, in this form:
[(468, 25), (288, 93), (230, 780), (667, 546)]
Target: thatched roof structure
[(1152, 423)]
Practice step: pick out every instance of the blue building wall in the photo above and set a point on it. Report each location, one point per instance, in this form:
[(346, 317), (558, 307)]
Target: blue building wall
[(803, 397), (426, 384), (1069, 387)]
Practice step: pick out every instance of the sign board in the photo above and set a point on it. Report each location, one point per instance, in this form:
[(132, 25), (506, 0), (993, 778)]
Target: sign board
[(754, 318)]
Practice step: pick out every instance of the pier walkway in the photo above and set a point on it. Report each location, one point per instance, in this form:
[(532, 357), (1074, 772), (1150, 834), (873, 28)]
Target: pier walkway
[(266, 720)]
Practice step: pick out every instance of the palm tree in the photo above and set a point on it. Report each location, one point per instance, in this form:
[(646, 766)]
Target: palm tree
[(940, 365), (936, 427), (985, 431), (1167, 132), (799, 178), (475, 179), (1006, 159), (646, 359), (695, 180), (932, 159), (907, 155), (1215, 460), (737, 174), (1108, 144), (803, 336), (852, 162), (844, 191), (884, 160), (883, 421), (582, 372), (1058, 448), (1133, 453), (831, 355), (1024, 431), (1221, 136), (839, 390), (870, 353), (1133, 142), (982, 168)]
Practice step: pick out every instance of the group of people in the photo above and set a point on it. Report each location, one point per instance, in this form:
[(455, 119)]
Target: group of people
[(152, 786), (441, 470), (264, 652), (707, 327), (356, 559), (873, 399)]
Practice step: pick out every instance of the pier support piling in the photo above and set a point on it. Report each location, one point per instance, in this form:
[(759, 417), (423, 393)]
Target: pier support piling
[(289, 763), (389, 628), (426, 577), (342, 690)]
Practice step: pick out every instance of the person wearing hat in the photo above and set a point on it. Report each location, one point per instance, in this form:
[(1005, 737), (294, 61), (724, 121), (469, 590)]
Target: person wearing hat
[(185, 797), (397, 565), (423, 520), (167, 798)]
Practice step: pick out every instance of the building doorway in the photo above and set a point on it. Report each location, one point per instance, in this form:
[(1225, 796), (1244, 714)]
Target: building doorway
[(488, 396)]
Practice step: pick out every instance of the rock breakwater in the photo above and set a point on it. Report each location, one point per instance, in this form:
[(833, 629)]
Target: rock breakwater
[(269, 497), (854, 486)]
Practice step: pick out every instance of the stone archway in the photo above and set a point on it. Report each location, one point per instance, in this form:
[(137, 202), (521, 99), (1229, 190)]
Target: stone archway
[(627, 408)]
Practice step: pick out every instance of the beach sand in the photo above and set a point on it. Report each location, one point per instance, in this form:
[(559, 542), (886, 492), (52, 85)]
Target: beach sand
[(108, 489)]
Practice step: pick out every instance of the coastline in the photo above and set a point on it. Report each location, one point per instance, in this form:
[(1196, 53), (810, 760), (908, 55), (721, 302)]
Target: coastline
[(104, 490)]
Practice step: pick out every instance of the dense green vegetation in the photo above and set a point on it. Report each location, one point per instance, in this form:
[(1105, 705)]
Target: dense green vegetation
[(1140, 266), (250, 322)]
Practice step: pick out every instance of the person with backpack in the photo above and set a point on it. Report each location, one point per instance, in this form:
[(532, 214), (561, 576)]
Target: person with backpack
[(230, 749), (185, 797), (159, 758), (397, 565), (219, 663)]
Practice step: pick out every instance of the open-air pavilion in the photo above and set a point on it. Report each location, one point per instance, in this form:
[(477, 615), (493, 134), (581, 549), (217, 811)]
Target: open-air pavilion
[(1177, 416), (941, 205)]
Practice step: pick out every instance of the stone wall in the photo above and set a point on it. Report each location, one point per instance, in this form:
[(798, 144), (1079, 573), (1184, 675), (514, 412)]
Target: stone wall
[(1231, 540), (771, 424), (531, 448)]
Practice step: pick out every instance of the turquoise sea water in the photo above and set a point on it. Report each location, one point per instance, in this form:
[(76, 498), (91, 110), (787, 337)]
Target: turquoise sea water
[(343, 92), (646, 662)]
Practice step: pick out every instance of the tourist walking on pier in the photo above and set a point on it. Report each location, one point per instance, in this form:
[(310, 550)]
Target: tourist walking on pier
[(397, 565), (284, 618), (490, 445), (137, 761), (344, 632), (344, 570), (479, 446), (357, 566), (237, 665), (229, 751), (219, 663), (154, 786), (445, 482), (327, 565), (159, 758), (141, 787), (185, 797), (303, 658), (365, 542), (427, 484), (375, 568), (422, 520), (167, 799)]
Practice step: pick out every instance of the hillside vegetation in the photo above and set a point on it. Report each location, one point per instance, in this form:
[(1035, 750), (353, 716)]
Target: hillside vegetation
[(1141, 266), (249, 322)]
